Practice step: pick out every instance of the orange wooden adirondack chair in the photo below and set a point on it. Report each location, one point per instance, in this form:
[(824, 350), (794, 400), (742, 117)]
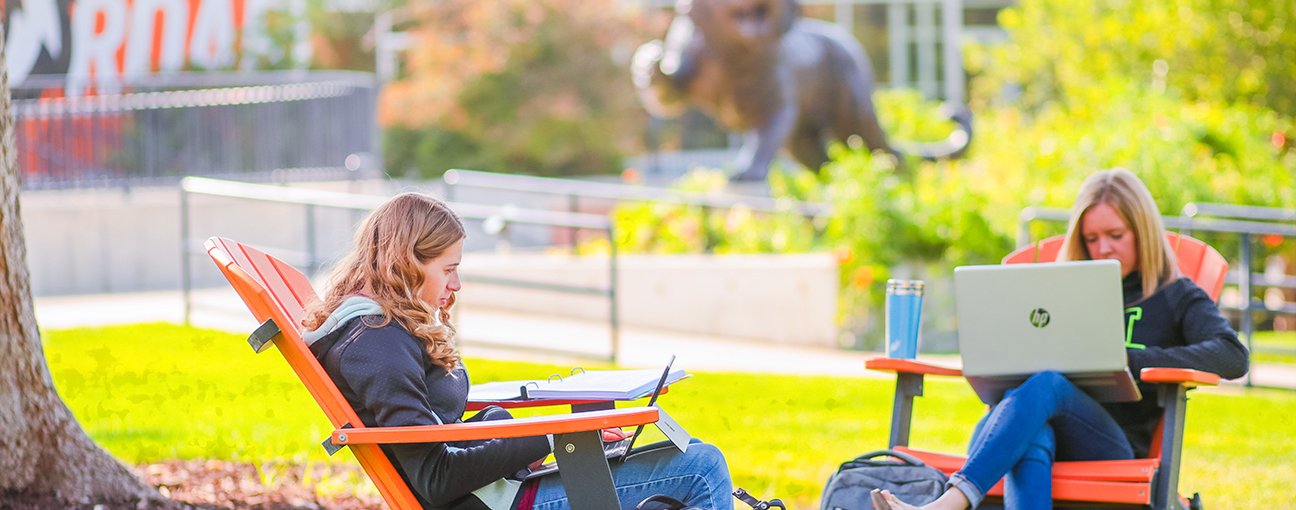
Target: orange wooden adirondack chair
[(276, 294), (1139, 483)]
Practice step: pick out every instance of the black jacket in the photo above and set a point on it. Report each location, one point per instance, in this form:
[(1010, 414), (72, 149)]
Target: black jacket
[(1179, 327), (389, 379)]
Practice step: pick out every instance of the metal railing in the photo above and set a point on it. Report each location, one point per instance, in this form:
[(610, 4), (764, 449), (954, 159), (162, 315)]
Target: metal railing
[(1190, 221), (258, 126), (1193, 214), (501, 215), (574, 190)]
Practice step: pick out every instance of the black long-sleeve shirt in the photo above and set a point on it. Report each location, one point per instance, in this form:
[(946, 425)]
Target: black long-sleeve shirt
[(389, 379), (1177, 327)]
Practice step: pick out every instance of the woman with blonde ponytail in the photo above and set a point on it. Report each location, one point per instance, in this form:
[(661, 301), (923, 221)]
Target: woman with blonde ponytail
[(382, 332)]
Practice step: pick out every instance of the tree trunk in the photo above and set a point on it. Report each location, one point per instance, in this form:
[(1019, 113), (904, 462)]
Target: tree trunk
[(43, 449)]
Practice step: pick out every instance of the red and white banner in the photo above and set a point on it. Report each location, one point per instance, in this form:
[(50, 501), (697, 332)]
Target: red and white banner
[(102, 45)]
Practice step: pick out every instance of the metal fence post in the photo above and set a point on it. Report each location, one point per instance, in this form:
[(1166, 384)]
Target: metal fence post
[(952, 49), (573, 205), (925, 29), (186, 285), (1189, 210), (311, 264), (613, 312), (1244, 289), (1023, 226), (705, 225), (898, 40), (844, 15)]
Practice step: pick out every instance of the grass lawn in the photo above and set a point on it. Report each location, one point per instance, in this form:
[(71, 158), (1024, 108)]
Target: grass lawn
[(158, 391)]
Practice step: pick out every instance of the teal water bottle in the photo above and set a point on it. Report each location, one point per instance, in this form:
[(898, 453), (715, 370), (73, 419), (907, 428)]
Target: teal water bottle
[(903, 317)]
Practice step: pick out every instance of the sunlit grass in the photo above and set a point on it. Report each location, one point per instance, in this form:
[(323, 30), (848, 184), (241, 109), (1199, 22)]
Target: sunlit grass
[(158, 391)]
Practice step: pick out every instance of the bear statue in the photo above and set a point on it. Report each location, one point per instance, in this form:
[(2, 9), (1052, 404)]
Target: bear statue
[(757, 67)]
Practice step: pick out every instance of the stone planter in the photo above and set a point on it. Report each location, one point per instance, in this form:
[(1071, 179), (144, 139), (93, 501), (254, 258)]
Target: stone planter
[(789, 299)]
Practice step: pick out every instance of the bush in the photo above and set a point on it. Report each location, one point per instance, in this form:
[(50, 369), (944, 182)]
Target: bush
[(657, 227)]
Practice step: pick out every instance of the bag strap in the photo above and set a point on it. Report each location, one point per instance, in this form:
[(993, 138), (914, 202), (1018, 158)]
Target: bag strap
[(866, 459), (757, 504)]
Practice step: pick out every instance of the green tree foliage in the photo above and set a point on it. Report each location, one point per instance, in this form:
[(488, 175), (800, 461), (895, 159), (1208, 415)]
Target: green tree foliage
[(1231, 51), (1174, 91), (526, 86)]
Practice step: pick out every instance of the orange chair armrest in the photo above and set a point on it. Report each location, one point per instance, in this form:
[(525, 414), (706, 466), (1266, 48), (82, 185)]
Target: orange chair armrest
[(909, 366), (519, 427), (1187, 377)]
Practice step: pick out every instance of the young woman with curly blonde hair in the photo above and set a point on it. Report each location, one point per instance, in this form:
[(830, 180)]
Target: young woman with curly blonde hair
[(383, 334)]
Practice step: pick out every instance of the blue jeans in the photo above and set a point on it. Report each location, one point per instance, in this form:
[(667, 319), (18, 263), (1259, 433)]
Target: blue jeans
[(699, 478), (1044, 419)]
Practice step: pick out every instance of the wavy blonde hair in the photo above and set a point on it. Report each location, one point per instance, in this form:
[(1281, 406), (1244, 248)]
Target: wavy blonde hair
[(393, 242), (1132, 201)]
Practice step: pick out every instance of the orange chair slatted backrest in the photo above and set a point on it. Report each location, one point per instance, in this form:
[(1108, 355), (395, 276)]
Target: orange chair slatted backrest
[(1200, 262), (1197, 260), (1044, 250), (275, 290)]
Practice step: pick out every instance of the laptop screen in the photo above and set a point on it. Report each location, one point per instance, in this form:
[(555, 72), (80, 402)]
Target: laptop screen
[(651, 401), (1026, 318)]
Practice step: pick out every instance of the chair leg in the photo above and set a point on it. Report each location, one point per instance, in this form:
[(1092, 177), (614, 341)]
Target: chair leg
[(1174, 399), (584, 470), (908, 386)]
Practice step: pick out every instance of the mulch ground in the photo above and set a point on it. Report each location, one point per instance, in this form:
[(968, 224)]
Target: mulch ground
[(214, 484)]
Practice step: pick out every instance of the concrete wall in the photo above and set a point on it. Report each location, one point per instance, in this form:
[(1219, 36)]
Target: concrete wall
[(773, 298), (111, 240)]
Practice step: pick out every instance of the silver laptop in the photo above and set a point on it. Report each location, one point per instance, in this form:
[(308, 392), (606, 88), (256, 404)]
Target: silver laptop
[(1018, 319)]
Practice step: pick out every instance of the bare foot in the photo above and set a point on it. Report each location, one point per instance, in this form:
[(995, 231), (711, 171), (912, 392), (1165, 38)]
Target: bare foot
[(952, 499), (879, 502), (884, 500)]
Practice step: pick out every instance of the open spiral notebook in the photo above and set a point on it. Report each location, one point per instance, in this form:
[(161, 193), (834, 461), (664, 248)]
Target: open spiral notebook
[(580, 385)]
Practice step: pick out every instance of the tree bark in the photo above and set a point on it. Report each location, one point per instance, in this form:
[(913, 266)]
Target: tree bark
[(43, 449)]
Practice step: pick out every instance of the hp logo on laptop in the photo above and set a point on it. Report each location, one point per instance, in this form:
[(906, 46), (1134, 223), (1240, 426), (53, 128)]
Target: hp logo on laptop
[(1039, 317)]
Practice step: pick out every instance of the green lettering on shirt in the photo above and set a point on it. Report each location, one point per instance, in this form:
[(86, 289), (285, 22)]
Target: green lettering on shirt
[(1134, 313)]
